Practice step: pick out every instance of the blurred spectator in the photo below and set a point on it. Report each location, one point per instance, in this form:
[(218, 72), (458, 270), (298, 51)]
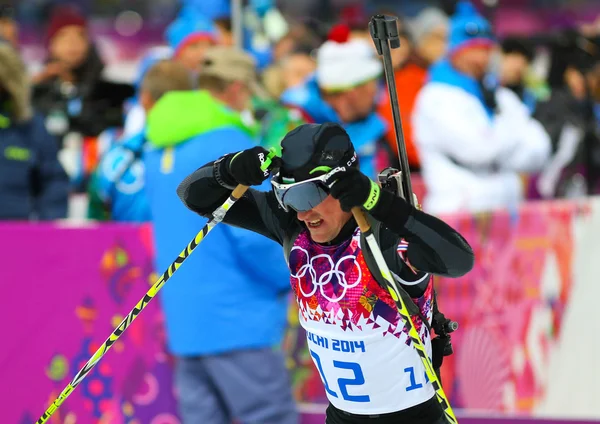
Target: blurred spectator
[(33, 184), (258, 26), (275, 120), (423, 45), (117, 188), (474, 138), (344, 90), (135, 119), (70, 91), (9, 29), (272, 80), (225, 31), (226, 366), (299, 37), (429, 32), (517, 55), (284, 46), (293, 60), (190, 36), (290, 71), (230, 76), (298, 66), (569, 117)]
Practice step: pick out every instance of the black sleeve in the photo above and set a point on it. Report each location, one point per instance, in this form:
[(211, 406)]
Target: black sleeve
[(433, 246), (256, 211)]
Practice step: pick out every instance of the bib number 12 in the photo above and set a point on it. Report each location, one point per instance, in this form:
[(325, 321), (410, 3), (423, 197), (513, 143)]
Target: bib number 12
[(343, 383)]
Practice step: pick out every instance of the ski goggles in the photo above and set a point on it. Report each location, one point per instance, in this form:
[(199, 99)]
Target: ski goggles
[(301, 196)]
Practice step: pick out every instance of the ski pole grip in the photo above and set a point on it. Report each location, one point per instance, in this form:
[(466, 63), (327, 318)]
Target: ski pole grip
[(239, 191), (361, 219)]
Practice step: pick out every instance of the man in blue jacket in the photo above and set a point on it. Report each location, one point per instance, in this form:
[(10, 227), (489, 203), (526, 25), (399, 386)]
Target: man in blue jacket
[(33, 184), (228, 366)]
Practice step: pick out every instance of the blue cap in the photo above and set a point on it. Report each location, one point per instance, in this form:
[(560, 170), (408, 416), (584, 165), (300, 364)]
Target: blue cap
[(467, 27), (210, 9), (189, 28)]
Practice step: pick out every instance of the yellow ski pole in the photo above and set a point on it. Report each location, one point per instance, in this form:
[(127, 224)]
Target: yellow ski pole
[(365, 228)]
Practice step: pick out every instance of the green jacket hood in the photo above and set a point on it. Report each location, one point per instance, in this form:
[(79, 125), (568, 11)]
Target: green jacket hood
[(181, 115)]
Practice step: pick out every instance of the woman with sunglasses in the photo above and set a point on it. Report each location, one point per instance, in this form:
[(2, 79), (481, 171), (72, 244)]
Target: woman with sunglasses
[(356, 338)]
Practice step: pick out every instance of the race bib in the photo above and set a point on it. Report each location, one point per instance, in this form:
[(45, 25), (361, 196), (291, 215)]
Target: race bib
[(356, 338), (375, 374)]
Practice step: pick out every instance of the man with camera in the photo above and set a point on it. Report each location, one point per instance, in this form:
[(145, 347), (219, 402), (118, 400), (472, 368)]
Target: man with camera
[(357, 339)]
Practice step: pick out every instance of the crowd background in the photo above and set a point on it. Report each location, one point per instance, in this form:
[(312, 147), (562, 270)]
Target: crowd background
[(85, 88)]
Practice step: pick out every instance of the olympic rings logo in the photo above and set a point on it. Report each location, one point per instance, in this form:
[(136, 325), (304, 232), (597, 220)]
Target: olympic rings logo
[(325, 277)]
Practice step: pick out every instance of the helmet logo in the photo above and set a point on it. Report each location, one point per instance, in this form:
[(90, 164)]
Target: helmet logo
[(352, 160)]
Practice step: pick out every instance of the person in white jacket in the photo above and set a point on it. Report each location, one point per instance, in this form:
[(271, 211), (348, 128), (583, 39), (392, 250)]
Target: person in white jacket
[(475, 141)]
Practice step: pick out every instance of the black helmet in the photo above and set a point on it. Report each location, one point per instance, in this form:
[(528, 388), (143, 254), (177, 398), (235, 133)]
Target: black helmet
[(308, 153), (311, 150)]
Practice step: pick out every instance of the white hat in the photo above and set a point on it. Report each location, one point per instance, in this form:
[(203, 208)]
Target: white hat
[(343, 65)]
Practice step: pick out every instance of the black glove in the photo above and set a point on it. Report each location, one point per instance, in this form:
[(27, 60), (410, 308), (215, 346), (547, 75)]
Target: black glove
[(353, 188), (248, 166)]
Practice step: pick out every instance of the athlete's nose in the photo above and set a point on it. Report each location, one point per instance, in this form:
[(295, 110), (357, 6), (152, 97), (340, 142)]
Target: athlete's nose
[(303, 215)]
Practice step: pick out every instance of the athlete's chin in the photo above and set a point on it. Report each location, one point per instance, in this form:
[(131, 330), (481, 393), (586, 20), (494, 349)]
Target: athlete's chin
[(321, 235)]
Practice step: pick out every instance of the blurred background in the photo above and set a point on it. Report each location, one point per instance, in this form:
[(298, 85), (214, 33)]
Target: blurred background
[(500, 106)]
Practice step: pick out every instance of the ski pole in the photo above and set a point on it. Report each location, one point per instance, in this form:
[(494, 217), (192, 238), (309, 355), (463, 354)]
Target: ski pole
[(365, 228), (218, 216), (384, 32)]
